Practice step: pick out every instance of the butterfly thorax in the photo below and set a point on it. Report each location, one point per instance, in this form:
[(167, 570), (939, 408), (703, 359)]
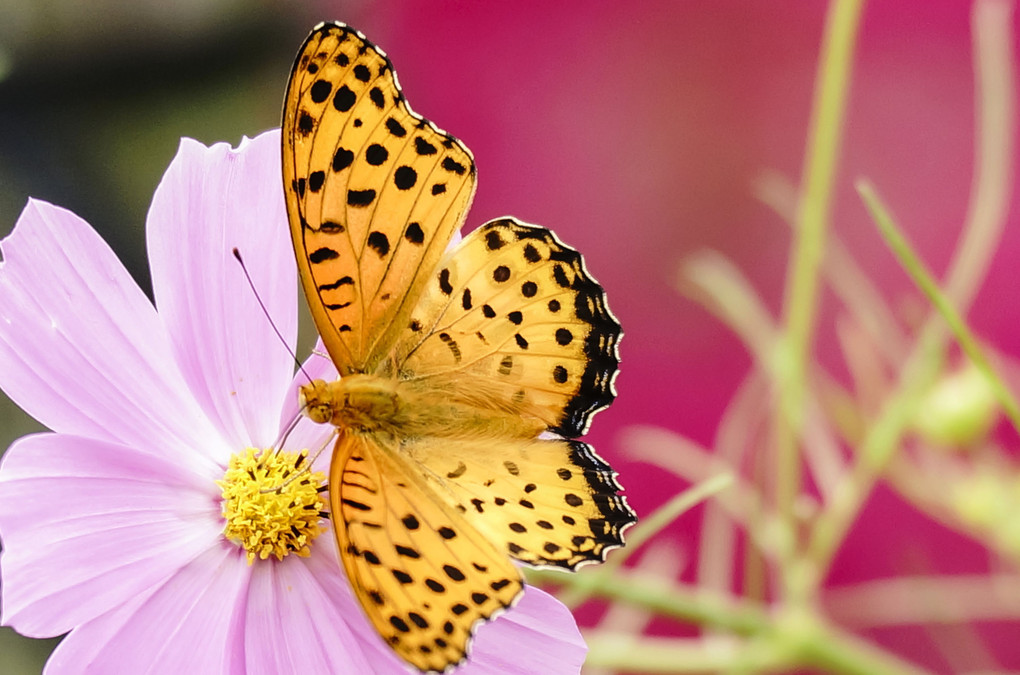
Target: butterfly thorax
[(410, 409)]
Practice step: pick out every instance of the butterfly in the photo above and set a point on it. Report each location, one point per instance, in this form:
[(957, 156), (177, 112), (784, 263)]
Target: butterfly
[(466, 373)]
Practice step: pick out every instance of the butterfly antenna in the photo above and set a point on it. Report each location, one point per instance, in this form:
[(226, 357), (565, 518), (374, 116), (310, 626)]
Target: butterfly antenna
[(251, 284)]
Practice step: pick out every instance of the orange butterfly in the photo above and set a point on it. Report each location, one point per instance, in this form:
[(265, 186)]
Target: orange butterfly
[(454, 363)]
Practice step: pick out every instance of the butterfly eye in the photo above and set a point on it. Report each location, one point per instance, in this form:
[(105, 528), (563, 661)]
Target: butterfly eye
[(315, 401), (320, 414)]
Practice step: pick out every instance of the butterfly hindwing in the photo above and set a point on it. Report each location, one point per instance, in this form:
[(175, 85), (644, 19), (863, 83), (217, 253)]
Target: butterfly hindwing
[(515, 307), (423, 575), (546, 502), (375, 193)]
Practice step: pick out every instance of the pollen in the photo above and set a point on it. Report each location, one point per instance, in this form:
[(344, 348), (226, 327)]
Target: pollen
[(272, 503)]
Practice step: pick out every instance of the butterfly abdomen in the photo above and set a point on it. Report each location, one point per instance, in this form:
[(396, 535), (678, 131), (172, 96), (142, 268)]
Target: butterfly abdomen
[(411, 409)]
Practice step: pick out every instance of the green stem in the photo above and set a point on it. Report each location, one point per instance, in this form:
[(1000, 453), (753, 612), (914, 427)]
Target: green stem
[(833, 651), (666, 514), (918, 271), (873, 454), (782, 641), (822, 152), (665, 598), (645, 529), (628, 653), (995, 69)]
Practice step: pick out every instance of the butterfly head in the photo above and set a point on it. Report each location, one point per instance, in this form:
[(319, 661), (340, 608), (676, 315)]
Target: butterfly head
[(365, 402), (317, 401)]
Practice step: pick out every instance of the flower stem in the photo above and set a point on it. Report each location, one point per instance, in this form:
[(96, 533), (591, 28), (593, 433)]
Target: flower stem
[(800, 305), (783, 641), (918, 271), (646, 529), (990, 195), (835, 651), (666, 598)]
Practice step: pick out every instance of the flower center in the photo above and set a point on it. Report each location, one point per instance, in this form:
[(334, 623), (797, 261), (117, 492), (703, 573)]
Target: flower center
[(271, 508)]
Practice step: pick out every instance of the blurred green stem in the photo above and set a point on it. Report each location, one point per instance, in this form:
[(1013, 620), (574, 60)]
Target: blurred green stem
[(800, 306), (924, 280), (990, 195), (784, 640), (665, 598), (646, 528)]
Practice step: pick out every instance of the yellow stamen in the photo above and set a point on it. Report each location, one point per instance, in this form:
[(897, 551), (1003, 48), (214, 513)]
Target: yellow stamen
[(266, 513)]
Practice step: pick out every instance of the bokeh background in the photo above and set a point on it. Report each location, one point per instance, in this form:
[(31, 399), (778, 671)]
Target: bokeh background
[(635, 129)]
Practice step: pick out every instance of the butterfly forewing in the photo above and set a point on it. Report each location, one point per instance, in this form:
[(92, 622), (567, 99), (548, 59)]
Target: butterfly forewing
[(423, 577), (374, 194), (514, 310)]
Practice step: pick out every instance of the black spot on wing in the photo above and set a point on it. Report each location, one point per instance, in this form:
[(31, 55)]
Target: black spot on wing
[(376, 154), (320, 90), (343, 281), (344, 99), (493, 241), (423, 147), (444, 281), (395, 128), (360, 197), (452, 344), (454, 166), (342, 159), (414, 233), (380, 242), (405, 177), (323, 254)]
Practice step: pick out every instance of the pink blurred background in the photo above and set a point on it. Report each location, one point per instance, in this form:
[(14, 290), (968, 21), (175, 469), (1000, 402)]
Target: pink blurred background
[(636, 130)]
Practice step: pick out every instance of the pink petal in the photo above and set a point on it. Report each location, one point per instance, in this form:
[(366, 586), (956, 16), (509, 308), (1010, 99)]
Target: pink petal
[(210, 201), (190, 624), (87, 524), (539, 635), (294, 622), (82, 348)]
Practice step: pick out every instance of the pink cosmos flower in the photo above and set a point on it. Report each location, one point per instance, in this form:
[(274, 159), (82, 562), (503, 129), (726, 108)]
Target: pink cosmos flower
[(112, 524)]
